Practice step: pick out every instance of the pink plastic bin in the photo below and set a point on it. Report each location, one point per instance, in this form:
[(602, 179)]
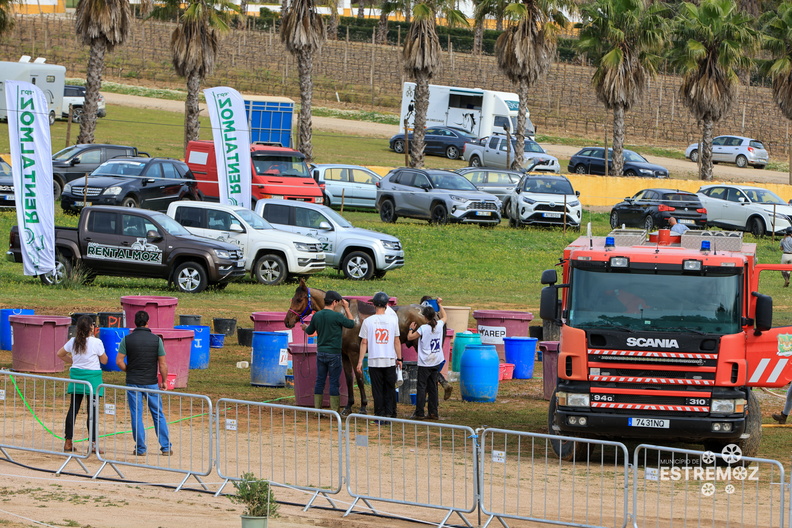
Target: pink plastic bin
[(37, 339), (161, 310), (178, 345), (494, 325), (273, 322), (304, 368)]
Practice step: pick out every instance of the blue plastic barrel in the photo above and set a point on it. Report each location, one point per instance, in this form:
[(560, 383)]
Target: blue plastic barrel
[(461, 340), (111, 338), (478, 376), (6, 334), (521, 351), (199, 350), (265, 367)]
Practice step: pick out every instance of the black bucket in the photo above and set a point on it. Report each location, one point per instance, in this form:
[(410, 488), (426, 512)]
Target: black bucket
[(76, 316), (245, 336), (72, 331), (111, 320), (410, 385), (224, 326), (190, 320)]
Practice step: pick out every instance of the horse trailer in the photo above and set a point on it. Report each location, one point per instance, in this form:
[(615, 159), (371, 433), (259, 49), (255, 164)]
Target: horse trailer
[(49, 78), (480, 112)]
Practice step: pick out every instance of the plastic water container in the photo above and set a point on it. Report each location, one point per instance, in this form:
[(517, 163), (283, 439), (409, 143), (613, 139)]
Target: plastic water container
[(269, 351), (161, 310), (224, 326), (37, 339), (189, 320), (178, 345), (506, 371), (199, 350), (216, 340), (521, 351), (171, 384), (273, 322), (111, 339), (111, 319), (245, 336), (6, 335), (462, 340), (494, 325), (478, 377), (304, 368)]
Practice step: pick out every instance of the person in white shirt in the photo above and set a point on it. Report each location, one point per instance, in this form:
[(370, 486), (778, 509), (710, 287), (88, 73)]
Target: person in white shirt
[(86, 354), (430, 359), (379, 335)]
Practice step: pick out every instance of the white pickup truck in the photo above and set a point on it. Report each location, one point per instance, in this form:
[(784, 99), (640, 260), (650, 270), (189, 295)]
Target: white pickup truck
[(491, 152), (271, 255)]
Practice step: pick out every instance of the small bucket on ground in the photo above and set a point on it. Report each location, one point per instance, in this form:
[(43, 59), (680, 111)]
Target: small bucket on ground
[(216, 340), (171, 384)]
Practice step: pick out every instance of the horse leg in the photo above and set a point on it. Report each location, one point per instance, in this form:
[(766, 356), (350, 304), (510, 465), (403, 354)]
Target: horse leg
[(348, 372)]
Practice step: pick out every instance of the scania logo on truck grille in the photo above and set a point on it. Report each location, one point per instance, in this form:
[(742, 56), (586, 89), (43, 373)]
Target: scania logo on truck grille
[(652, 342)]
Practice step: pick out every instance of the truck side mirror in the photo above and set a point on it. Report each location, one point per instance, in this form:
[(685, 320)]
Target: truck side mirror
[(153, 235), (549, 277), (325, 226), (236, 228), (763, 319), (548, 303)]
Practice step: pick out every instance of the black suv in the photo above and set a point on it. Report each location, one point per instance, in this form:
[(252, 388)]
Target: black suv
[(150, 183), (79, 160)]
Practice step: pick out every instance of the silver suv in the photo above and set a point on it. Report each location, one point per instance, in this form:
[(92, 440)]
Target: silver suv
[(436, 195)]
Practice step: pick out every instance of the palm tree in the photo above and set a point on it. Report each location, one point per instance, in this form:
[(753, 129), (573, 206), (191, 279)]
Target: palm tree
[(712, 41), (494, 8), (303, 34), (421, 55), (194, 47), (777, 29), (6, 15), (526, 49), (332, 25), (622, 36), (102, 25)]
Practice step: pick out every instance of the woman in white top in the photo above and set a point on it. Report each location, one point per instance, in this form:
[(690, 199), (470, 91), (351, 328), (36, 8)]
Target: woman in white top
[(86, 354), (430, 359)]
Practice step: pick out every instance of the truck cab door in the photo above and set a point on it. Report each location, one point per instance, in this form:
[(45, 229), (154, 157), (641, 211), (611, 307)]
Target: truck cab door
[(769, 357), (494, 153), (99, 244), (316, 225), (226, 227), (145, 246)]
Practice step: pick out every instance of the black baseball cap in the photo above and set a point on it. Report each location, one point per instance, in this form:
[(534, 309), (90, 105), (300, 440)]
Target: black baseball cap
[(332, 296)]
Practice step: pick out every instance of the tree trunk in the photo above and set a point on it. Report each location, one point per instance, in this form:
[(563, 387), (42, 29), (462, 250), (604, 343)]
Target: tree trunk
[(93, 83), (522, 116), (192, 126), (706, 150), (332, 24), (361, 10), (382, 28), (478, 37), (618, 140), (242, 20), (305, 68), (421, 107), (499, 22)]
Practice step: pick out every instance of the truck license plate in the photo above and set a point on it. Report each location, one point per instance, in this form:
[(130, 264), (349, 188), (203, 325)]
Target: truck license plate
[(483, 213), (552, 215), (649, 422)]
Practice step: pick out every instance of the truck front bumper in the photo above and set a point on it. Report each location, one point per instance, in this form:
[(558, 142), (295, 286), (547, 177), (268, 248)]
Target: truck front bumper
[(390, 261), (681, 428)]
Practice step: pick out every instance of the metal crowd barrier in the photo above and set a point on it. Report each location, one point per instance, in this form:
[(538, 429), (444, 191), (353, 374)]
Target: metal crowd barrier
[(424, 464), (189, 418), (33, 413), (680, 487), (295, 447), (523, 478)]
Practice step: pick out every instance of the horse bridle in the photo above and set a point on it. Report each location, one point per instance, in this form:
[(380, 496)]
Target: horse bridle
[(306, 311)]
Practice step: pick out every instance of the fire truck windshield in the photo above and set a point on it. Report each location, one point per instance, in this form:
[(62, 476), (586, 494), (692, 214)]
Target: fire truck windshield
[(654, 301)]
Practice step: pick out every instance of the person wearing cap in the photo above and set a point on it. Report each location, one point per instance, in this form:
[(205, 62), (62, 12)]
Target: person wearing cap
[(329, 326), (676, 227), (786, 257), (448, 389), (430, 359), (379, 335)]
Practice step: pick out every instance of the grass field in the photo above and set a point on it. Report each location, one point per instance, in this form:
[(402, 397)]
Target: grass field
[(468, 266)]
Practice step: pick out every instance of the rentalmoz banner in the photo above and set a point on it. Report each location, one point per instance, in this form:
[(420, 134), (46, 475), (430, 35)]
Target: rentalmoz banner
[(231, 134), (31, 159)]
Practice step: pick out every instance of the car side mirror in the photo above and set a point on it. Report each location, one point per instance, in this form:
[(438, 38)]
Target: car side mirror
[(577, 193), (426, 187), (148, 180), (518, 190), (75, 161), (325, 226), (236, 228)]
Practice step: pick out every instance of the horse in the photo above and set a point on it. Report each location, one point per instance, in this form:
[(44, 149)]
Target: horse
[(309, 300)]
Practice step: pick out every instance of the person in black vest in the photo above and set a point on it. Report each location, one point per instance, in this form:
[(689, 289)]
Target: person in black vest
[(145, 354)]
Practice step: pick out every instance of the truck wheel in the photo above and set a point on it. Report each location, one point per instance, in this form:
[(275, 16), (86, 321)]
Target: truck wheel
[(398, 146), (129, 201), (694, 156), (439, 215), (452, 152), (755, 226), (388, 211), (358, 265), (475, 161), (270, 269), (62, 270), (190, 277), (565, 449), (614, 220), (753, 427)]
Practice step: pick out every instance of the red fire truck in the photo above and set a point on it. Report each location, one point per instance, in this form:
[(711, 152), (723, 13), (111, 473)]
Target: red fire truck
[(663, 340)]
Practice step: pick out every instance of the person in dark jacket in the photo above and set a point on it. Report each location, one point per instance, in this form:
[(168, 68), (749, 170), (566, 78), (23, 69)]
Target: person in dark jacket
[(145, 354)]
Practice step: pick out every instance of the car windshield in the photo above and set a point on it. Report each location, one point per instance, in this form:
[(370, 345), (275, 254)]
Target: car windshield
[(465, 133), (763, 196), (68, 152), (169, 224), (5, 168), (538, 184), (452, 182), (337, 218), (119, 168), (285, 165), (629, 155), (660, 301), (254, 220), (533, 146)]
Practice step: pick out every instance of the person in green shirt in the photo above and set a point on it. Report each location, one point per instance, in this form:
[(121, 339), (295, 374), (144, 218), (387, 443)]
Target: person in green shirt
[(329, 325)]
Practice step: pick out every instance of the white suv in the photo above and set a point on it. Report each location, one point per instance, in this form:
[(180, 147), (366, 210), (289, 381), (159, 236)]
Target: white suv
[(544, 200), (75, 96)]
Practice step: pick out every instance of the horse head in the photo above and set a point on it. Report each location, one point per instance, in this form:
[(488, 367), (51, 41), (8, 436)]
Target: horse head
[(305, 302)]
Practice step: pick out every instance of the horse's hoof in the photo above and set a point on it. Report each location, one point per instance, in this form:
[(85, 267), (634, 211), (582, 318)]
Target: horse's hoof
[(346, 411), (363, 410)]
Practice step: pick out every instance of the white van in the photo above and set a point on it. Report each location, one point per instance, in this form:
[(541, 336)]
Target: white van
[(49, 78), (480, 112)]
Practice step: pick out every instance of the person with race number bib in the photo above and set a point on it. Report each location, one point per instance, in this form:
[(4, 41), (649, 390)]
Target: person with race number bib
[(379, 335), (430, 359)]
